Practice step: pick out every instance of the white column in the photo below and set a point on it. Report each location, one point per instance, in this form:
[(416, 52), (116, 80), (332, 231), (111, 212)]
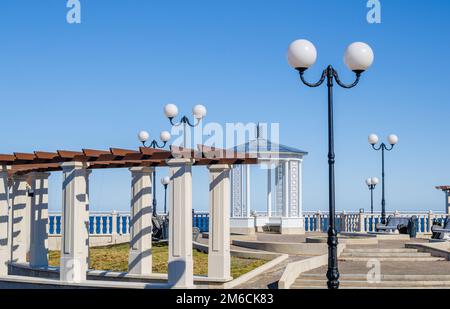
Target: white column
[(140, 257), (269, 190), (4, 219), (447, 202), (20, 210), (39, 220), (219, 260), (247, 191), (75, 222), (286, 189), (180, 270)]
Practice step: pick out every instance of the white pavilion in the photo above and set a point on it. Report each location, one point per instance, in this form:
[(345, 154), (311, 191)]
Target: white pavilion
[(284, 206)]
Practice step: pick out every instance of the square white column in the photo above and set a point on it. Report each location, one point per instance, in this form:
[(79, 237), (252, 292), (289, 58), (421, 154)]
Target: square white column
[(140, 257), (219, 260), (39, 220), (20, 212), (4, 219), (74, 261), (180, 270)]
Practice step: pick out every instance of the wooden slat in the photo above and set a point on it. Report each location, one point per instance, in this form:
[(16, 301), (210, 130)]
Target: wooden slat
[(67, 154), (92, 153), (24, 156), (155, 153), (42, 155), (7, 158), (122, 152)]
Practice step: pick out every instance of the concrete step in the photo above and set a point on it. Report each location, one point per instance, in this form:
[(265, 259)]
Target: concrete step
[(382, 250), (365, 284), (385, 254), (392, 259), (362, 277), (301, 287)]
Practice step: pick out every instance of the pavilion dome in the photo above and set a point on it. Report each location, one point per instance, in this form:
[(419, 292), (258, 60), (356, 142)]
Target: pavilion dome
[(264, 148)]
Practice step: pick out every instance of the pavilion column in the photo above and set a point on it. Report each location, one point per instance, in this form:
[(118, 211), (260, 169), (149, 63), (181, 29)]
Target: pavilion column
[(247, 192), (20, 211), (286, 189), (180, 270), (219, 260), (39, 220), (447, 202), (4, 216), (74, 260), (269, 191), (140, 257)]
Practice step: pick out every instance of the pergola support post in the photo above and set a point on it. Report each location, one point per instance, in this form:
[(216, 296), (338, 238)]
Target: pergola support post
[(140, 257), (74, 260), (219, 260), (4, 220), (180, 270), (20, 212), (39, 220)]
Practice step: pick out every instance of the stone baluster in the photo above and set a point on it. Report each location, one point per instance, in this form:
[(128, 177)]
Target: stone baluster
[(120, 224), (430, 221), (318, 227), (362, 224), (102, 222), (114, 226)]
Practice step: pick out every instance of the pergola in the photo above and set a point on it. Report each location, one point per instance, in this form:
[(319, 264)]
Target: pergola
[(29, 216)]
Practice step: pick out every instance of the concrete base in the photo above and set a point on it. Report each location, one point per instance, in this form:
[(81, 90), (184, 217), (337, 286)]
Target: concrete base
[(242, 226), (292, 231), (292, 226)]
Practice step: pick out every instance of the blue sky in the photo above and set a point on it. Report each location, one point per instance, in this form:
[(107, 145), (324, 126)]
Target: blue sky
[(96, 84)]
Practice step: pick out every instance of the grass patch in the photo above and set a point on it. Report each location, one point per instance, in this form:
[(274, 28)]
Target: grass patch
[(115, 258)]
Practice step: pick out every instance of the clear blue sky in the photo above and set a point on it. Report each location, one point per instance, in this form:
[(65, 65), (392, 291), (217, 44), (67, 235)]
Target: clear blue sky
[(94, 85)]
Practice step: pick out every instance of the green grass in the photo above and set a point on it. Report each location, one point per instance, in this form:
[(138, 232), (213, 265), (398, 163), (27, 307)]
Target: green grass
[(115, 258)]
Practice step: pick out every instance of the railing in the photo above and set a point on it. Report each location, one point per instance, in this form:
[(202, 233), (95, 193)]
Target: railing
[(366, 222), (106, 223)]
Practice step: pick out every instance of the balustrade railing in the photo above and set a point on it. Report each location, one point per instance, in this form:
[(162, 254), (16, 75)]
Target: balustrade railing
[(107, 223), (367, 222)]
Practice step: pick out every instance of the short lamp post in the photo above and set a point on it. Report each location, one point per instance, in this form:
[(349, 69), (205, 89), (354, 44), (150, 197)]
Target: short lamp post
[(358, 57), (171, 111), (372, 183), (373, 140), (143, 138), (165, 182)]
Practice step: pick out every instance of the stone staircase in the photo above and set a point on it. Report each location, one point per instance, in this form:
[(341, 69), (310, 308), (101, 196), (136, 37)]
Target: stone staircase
[(360, 280), (387, 255)]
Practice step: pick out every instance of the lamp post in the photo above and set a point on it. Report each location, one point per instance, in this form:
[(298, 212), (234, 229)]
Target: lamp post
[(165, 182), (358, 57), (373, 140), (171, 111), (372, 183), (143, 137)]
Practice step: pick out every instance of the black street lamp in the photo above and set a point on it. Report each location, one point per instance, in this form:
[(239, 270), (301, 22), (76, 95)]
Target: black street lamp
[(373, 140), (143, 137), (171, 111), (165, 182), (358, 57), (372, 183)]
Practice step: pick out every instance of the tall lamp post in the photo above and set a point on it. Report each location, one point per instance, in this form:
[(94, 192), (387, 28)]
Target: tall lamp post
[(171, 111), (373, 140), (143, 138), (165, 182), (358, 57), (372, 183)]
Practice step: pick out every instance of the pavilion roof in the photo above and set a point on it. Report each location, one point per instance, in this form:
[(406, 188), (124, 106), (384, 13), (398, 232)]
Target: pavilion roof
[(443, 188), (41, 161)]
